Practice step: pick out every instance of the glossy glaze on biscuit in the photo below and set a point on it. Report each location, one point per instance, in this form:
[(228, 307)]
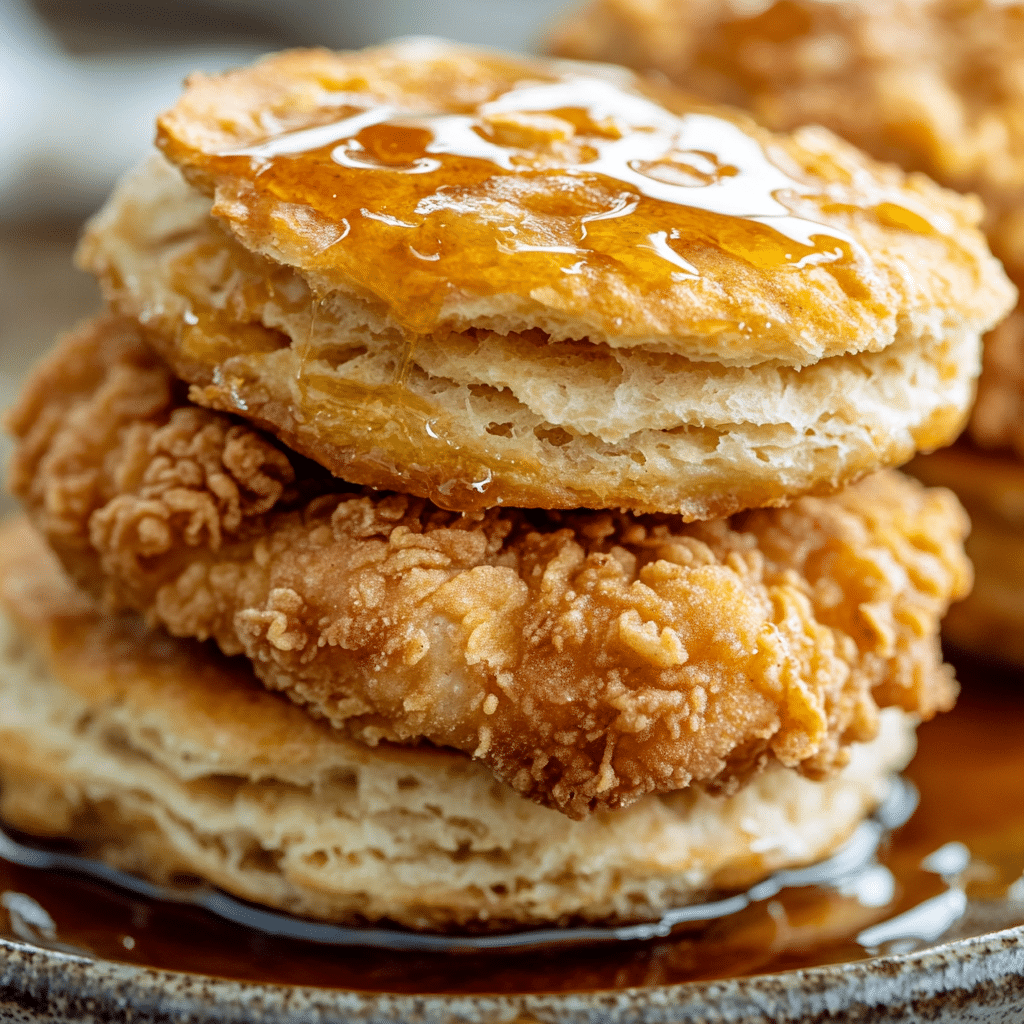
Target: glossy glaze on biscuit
[(586, 658), (437, 228), (933, 85), (448, 189)]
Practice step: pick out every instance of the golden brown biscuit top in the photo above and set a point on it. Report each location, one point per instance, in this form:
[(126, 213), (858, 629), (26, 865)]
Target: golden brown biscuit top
[(451, 189)]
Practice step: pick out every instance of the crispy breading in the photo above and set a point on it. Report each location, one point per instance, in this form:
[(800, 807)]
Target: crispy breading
[(587, 658), (163, 758)]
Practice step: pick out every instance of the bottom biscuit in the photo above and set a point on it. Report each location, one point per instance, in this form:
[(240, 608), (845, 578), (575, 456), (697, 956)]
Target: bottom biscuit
[(990, 622), (165, 758)]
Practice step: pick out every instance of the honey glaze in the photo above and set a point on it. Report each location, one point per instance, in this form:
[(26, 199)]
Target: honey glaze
[(956, 869), (550, 188)]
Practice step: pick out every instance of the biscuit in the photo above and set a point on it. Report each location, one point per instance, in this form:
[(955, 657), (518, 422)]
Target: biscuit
[(515, 418), (586, 658), (990, 621), (164, 758), (935, 86), (491, 280)]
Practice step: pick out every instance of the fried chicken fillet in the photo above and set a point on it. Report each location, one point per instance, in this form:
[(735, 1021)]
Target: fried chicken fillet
[(586, 658), (159, 755)]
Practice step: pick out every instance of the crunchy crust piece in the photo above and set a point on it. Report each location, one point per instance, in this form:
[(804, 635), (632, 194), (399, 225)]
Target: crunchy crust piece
[(587, 658)]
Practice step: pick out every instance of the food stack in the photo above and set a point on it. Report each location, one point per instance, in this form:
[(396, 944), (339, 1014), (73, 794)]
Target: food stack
[(527, 425), (935, 86)]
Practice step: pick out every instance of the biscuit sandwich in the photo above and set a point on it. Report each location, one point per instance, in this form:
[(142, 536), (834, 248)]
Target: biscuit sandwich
[(935, 87), (528, 425)]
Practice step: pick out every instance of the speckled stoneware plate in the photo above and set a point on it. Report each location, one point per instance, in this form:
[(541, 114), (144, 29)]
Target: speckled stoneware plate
[(977, 979)]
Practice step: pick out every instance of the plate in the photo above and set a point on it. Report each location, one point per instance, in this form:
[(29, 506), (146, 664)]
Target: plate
[(972, 980)]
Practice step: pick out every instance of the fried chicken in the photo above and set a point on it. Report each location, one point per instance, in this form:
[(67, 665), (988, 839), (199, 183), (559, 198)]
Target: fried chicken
[(587, 658), (162, 757)]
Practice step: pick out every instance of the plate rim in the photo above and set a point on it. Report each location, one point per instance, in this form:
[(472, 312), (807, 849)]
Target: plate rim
[(983, 975)]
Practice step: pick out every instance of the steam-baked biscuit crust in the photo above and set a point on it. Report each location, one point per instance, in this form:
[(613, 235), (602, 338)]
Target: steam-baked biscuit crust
[(453, 221), (586, 658), (933, 85), (163, 757), (520, 419)]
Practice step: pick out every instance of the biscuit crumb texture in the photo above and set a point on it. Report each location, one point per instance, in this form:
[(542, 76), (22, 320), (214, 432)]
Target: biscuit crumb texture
[(586, 658), (164, 758)]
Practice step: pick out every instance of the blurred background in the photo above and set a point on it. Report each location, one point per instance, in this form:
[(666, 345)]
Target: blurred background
[(82, 80)]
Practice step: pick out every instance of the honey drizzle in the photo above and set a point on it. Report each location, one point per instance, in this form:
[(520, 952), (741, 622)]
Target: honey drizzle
[(547, 181), (741, 182)]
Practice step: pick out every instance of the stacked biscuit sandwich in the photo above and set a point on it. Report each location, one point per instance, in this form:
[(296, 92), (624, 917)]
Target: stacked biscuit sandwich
[(528, 425), (935, 86)]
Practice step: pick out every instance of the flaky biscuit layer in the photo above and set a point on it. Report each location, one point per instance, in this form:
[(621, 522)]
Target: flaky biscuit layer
[(441, 188), (586, 658), (163, 757), (475, 419)]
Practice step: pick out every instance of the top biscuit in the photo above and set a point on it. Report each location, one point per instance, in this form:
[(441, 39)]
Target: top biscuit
[(448, 189), (489, 280)]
